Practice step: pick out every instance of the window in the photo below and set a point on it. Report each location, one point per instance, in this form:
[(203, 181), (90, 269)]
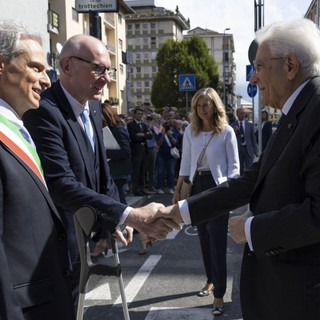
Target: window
[(75, 15)]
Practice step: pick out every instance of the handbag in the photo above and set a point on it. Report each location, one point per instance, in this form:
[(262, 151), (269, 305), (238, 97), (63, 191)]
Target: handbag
[(186, 187), (173, 150)]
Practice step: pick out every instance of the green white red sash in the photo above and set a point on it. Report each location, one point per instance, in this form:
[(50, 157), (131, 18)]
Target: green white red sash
[(13, 139)]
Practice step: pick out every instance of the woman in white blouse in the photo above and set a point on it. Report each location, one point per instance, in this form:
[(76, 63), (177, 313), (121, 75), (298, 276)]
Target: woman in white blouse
[(209, 157)]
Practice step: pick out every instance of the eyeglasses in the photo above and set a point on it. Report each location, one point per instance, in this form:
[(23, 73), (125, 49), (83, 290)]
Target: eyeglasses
[(98, 69), (257, 65)]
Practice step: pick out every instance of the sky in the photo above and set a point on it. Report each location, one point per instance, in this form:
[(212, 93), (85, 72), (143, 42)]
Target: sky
[(238, 15)]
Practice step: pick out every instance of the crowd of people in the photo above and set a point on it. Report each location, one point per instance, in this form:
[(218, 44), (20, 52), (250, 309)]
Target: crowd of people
[(151, 136)]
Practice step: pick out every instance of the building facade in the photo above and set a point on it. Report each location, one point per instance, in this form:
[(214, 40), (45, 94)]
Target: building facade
[(147, 29), (221, 47), (65, 21)]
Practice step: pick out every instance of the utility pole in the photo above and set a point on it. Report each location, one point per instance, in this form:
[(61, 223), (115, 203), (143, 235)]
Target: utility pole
[(224, 51), (258, 24)]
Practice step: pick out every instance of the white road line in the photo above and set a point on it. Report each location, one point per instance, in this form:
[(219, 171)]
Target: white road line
[(180, 313), (172, 234), (228, 295), (101, 292), (136, 283)]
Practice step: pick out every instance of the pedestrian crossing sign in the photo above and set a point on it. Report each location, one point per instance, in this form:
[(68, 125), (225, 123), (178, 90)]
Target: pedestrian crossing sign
[(187, 82)]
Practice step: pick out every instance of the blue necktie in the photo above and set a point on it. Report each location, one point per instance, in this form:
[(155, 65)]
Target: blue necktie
[(87, 126), (27, 136)]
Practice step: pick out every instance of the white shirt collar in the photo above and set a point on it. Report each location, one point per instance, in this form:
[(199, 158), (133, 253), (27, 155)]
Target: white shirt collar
[(288, 104), (7, 111), (76, 106)]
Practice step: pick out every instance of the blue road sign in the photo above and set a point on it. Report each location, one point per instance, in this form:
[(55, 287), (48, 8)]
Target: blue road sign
[(252, 90), (187, 82), (249, 70)]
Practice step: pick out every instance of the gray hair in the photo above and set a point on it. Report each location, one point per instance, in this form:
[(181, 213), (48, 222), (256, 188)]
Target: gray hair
[(299, 36), (11, 32)]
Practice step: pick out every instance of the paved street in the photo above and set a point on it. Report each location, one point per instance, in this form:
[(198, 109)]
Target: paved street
[(162, 285)]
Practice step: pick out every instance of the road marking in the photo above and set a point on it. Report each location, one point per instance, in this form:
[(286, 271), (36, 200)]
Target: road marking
[(136, 283), (180, 313), (172, 235), (228, 295), (100, 293)]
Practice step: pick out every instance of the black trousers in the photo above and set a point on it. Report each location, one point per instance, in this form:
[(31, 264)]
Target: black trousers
[(213, 241)]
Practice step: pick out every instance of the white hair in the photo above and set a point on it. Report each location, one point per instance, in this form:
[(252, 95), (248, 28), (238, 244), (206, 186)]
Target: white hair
[(299, 36)]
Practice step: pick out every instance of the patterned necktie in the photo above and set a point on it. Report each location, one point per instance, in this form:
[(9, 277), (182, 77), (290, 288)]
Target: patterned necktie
[(27, 136), (281, 119), (87, 126), (242, 139)]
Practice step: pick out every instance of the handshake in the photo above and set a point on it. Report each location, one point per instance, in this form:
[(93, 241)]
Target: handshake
[(155, 220)]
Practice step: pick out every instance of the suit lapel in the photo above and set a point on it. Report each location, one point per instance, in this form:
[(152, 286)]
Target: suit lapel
[(283, 134), (76, 129)]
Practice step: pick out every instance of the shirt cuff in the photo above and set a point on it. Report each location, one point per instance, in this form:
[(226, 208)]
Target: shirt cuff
[(184, 211), (123, 218), (247, 230)]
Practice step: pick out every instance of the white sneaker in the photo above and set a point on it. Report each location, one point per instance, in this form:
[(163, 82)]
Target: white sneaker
[(171, 191), (160, 191)]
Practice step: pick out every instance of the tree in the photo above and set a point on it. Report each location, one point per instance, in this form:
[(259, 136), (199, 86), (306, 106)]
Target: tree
[(190, 56)]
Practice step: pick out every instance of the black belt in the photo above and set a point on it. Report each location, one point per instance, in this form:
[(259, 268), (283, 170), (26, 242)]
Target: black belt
[(204, 173)]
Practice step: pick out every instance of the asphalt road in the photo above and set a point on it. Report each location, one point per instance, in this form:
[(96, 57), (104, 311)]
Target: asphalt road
[(162, 285)]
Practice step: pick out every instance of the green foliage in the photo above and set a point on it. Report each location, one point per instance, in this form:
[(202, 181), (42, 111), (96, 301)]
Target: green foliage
[(190, 56)]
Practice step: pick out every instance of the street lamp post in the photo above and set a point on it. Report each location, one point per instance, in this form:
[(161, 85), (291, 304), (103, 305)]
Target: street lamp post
[(224, 68)]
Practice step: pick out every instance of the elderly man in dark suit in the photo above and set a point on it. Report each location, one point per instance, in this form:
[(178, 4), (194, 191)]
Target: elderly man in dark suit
[(67, 130), (33, 248), (280, 277)]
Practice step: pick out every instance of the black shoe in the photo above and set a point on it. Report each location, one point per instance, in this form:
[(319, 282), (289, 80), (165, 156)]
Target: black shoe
[(217, 311)]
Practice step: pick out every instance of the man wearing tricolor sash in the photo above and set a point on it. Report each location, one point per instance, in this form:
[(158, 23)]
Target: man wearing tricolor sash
[(34, 259)]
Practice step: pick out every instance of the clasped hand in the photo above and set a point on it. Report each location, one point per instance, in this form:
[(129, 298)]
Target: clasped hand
[(153, 220)]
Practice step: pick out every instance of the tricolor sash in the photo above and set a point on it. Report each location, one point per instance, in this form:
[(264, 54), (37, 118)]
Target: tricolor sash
[(13, 139)]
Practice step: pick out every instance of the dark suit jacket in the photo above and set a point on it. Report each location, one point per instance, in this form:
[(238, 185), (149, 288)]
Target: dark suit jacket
[(75, 176), (266, 133), (120, 160), (250, 138), (33, 248), (280, 279), (136, 141)]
